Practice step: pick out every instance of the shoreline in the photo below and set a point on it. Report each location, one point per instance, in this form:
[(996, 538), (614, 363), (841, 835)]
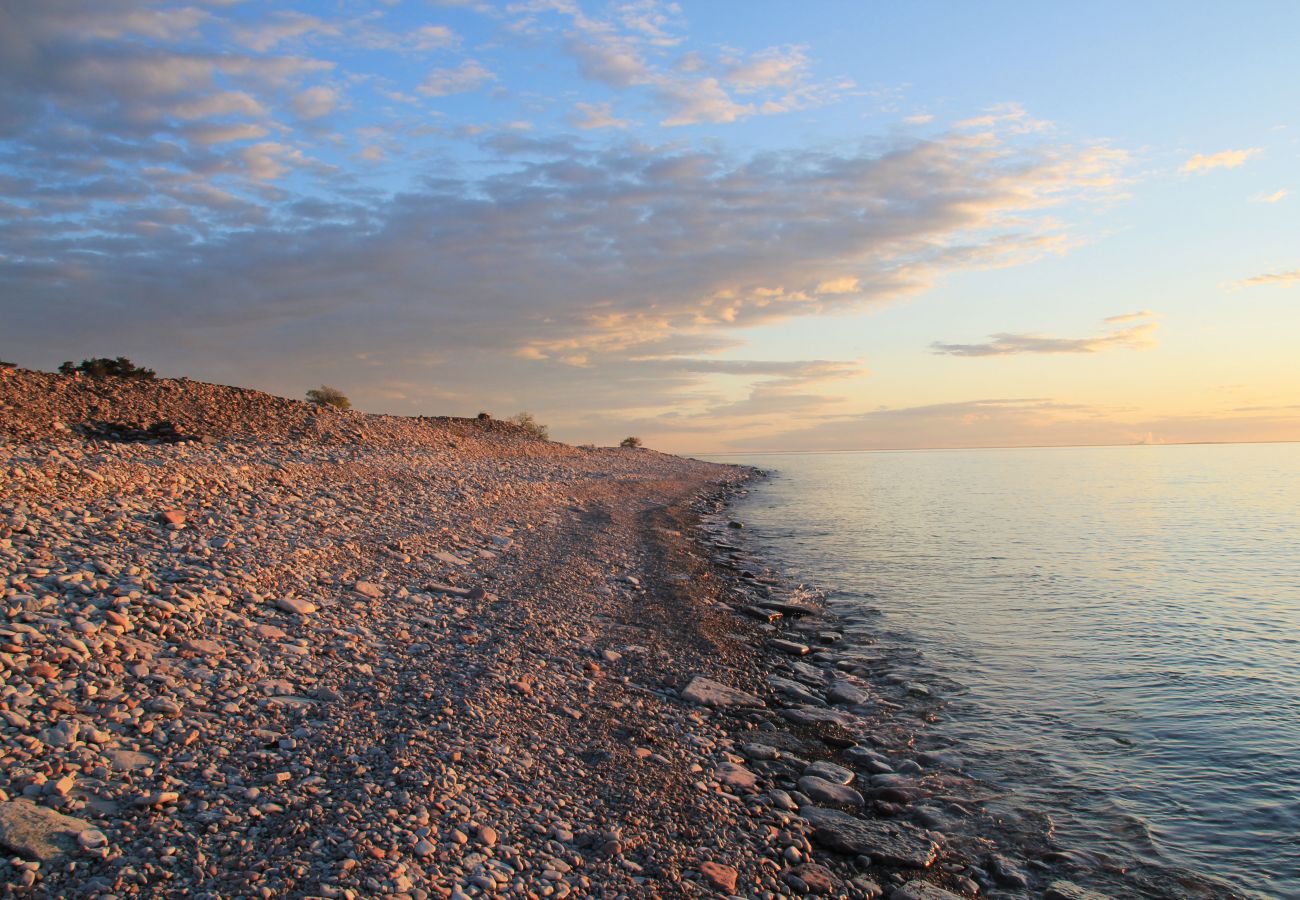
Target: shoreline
[(316, 653), (908, 771)]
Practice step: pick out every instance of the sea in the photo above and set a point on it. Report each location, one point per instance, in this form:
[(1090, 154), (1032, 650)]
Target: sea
[(1112, 634)]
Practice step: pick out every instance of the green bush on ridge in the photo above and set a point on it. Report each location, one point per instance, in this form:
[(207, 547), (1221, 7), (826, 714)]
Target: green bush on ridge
[(328, 396), (103, 367)]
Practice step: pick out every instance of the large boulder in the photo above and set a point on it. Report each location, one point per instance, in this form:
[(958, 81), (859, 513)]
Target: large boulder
[(37, 832)]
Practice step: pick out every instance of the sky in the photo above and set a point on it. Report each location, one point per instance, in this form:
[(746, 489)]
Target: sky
[(716, 226)]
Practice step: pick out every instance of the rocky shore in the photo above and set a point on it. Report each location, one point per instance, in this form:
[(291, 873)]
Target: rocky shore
[(257, 648)]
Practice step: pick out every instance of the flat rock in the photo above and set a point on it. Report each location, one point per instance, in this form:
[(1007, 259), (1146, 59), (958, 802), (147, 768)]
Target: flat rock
[(819, 879), (129, 760), (438, 587), (922, 890), (790, 609), (1068, 890), (721, 878), (38, 833), (736, 777), (811, 715), (887, 843), (707, 692), (368, 589), (762, 615), (295, 605), (829, 771), (824, 791), (793, 648), (846, 693)]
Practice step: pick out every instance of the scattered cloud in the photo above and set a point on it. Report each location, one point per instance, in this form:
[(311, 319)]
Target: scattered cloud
[(589, 116), (315, 102), (1129, 317), (1270, 278), (468, 76), (1274, 197), (1136, 337), (1225, 159)]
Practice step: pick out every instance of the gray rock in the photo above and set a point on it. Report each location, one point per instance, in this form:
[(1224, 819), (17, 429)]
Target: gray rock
[(38, 833), (824, 791), (368, 589), (846, 693), (736, 777), (887, 843), (295, 605), (829, 771), (922, 890), (707, 692), (1068, 890), (791, 647)]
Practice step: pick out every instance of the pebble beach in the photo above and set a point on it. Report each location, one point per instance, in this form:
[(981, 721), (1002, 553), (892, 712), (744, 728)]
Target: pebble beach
[(253, 647)]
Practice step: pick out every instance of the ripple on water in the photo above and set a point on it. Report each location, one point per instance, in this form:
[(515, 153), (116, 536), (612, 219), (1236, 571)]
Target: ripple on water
[(1117, 632)]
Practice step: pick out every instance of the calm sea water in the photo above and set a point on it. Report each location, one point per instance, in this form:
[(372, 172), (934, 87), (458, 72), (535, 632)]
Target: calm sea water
[(1115, 631)]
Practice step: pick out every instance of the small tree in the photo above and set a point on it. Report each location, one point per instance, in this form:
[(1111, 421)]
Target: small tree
[(328, 396), (528, 423), (103, 367), (632, 442)]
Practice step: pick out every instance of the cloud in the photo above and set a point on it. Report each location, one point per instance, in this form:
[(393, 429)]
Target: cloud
[(315, 102), (1270, 278), (847, 285), (1024, 422), (588, 116), (1129, 317), (1269, 198), (468, 76), (1136, 337), (1226, 159), (780, 67), (169, 193)]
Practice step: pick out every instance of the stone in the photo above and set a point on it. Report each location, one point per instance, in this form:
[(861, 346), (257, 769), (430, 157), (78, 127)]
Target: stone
[(793, 648), (707, 692), (887, 843), (172, 517), (721, 878), (165, 706), (818, 879), (762, 615), (736, 777), (846, 693), (922, 890), (37, 833), (295, 605), (829, 771), (824, 791), (368, 589), (1068, 890), (129, 760), (1006, 872), (811, 715)]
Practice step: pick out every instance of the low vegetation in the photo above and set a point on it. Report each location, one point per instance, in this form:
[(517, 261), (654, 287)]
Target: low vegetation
[(103, 367), (630, 441), (328, 396), (529, 423)]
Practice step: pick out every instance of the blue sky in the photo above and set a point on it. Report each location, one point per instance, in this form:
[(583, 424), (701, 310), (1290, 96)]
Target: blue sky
[(718, 226)]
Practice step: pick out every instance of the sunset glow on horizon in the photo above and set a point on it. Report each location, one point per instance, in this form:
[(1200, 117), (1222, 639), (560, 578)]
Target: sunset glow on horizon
[(717, 227)]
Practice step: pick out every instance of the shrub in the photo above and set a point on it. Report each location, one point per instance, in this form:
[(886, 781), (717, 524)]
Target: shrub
[(528, 423), (328, 396), (630, 442), (103, 367), (7, 365)]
